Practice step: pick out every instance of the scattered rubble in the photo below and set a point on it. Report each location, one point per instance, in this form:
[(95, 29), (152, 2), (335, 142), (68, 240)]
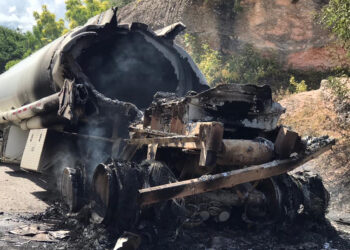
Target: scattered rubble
[(40, 232)]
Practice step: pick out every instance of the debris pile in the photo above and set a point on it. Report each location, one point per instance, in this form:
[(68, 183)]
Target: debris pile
[(212, 157)]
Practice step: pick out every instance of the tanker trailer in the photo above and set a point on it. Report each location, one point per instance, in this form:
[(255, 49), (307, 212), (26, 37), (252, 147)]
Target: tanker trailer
[(93, 105), (88, 83)]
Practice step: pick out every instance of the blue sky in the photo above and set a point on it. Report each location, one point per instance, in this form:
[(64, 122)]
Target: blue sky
[(19, 13)]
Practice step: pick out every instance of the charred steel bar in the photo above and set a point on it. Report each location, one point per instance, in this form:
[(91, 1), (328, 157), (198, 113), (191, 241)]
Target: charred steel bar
[(164, 140), (208, 183)]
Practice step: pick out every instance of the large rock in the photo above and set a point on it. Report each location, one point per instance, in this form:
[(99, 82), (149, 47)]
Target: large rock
[(286, 28)]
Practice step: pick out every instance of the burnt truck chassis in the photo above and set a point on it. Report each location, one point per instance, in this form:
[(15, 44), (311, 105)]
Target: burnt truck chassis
[(205, 149), (207, 152)]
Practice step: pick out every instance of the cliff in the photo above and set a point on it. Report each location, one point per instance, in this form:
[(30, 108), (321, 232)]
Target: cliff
[(286, 29)]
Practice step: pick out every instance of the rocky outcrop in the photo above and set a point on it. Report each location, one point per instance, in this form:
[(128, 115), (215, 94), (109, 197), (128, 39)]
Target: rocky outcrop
[(286, 29), (290, 29)]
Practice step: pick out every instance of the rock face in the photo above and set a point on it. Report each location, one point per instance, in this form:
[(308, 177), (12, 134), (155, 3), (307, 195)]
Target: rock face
[(284, 28)]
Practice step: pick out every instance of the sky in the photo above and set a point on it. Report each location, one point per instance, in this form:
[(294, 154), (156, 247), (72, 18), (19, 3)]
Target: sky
[(19, 13)]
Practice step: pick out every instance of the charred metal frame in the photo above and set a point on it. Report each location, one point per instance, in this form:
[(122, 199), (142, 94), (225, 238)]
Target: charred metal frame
[(207, 138), (208, 183)]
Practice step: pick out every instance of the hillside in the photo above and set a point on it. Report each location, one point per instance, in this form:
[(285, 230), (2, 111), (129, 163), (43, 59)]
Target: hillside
[(317, 113)]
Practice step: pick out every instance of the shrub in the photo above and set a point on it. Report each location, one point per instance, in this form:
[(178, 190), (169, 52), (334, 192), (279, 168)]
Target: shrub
[(250, 67), (211, 64), (338, 88), (298, 87), (11, 63), (336, 17)]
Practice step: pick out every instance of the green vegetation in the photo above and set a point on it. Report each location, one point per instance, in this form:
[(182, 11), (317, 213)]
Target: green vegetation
[(79, 11), (121, 3), (298, 86), (15, 46), (211, 64), (339, 88), (237, 6), (336, 17), (47, 28), (248, 66)]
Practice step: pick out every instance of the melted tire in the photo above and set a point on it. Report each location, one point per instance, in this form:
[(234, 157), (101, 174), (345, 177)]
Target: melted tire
[(72, 189), (115, 188)]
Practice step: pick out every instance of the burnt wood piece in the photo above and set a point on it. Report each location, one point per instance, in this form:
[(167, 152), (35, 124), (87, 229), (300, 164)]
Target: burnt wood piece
[(208, 183)]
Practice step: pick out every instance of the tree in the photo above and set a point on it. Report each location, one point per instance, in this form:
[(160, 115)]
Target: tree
[(12, 46), (15, 46), (120, 3), (47, 28), (79, 11), (336, 17)]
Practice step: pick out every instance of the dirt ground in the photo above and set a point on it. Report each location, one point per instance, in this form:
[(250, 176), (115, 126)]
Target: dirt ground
[(22, 194), (30, 196)]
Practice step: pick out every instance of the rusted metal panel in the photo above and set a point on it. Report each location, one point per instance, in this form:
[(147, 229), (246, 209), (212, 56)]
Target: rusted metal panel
[(211, 141), (285, 142), (242, 153)]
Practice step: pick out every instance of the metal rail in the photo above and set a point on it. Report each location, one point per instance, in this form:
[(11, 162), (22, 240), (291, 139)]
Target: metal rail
[(30, 110)]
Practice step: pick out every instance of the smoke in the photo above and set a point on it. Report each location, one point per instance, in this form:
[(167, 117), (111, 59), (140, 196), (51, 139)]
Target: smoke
[(130, 69), (81, 152), (124, 71), (94, 151), (63, 157)]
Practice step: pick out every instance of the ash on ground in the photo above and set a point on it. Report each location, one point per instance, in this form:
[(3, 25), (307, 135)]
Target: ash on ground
[(234, 234)]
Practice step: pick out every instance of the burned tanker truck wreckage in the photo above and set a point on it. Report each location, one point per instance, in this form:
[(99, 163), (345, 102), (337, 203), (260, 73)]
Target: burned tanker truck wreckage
[(126, 122)]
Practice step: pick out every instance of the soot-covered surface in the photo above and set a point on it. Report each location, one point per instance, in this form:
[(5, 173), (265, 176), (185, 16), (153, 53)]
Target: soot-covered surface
[(128, 68), (304, 234)]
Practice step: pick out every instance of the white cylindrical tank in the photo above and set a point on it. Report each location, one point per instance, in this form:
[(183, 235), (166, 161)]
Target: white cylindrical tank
[(123, 62), (27, 81)]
